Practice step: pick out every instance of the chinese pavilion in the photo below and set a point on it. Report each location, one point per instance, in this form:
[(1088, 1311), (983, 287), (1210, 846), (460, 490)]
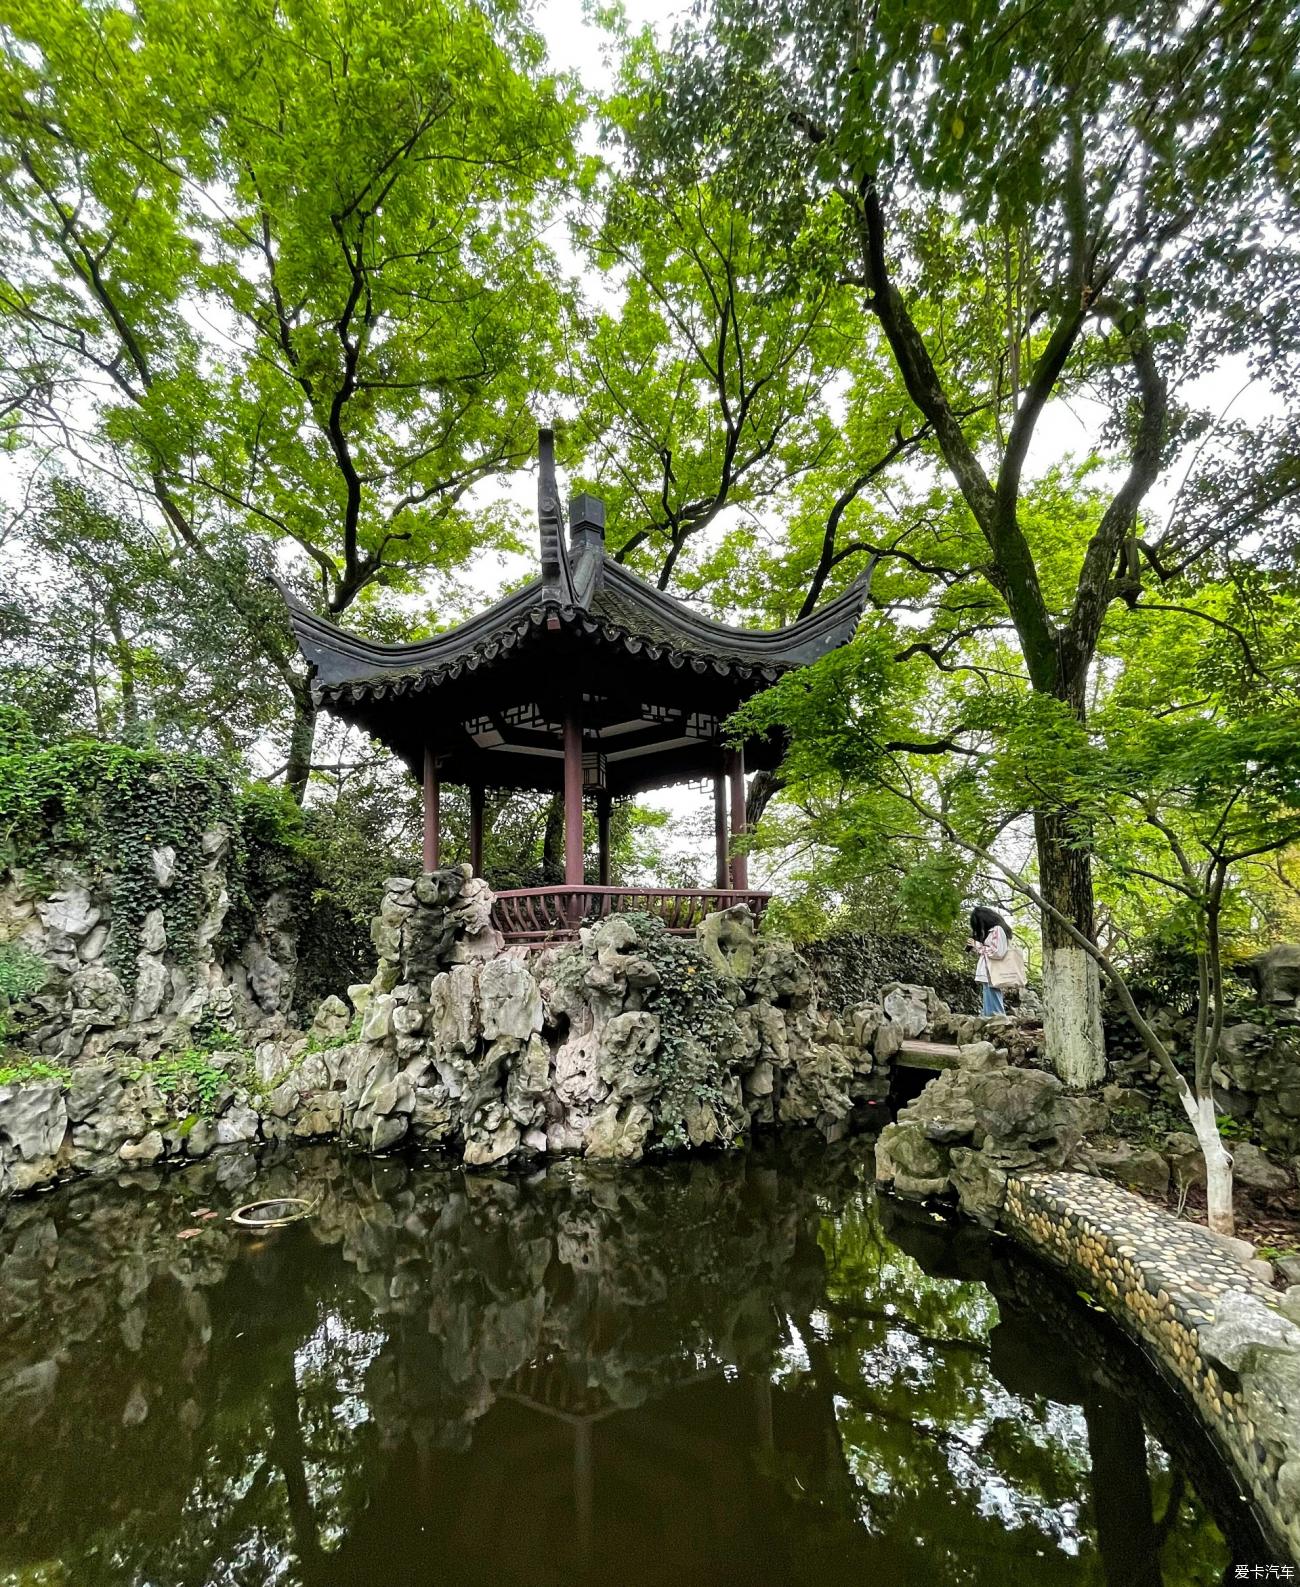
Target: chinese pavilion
[(587, 681)]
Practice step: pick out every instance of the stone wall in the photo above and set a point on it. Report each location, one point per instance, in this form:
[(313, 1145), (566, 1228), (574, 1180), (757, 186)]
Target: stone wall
[(87, 1008), (628, 1042), (1257, 1077), (1226, 1339), (854, 966), (979, 1124)]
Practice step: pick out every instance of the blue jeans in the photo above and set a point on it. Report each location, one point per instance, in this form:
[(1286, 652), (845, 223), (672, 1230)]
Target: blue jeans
[(993, 1003)]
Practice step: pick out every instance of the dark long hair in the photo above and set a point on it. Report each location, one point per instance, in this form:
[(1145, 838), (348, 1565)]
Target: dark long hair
[(983, 920)]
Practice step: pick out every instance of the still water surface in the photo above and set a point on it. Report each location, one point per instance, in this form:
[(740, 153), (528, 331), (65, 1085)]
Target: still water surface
[(739, 1370)]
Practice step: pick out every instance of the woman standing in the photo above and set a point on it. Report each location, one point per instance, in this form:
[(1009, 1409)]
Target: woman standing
[(991, 939)]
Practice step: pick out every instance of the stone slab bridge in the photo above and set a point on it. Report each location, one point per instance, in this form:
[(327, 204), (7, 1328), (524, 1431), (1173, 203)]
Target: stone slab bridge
[(588, 682)]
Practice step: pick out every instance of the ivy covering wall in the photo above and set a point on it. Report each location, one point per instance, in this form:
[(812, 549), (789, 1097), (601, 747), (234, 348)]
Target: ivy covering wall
[(104, 811)]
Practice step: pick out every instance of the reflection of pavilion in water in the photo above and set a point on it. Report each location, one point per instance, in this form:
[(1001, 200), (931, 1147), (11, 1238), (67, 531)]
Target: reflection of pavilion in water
[(548, 1389), (674, 1377)]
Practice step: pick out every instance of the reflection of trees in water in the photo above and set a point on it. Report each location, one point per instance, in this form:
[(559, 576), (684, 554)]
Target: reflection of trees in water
[(532, 1378)]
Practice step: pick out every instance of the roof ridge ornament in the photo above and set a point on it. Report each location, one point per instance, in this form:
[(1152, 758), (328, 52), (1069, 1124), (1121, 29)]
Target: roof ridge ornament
[(557, 575)]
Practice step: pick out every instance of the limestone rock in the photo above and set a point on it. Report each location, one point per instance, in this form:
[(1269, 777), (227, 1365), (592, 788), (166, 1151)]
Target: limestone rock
[(378, 1023), (1277, 973), (33, 1119), (888, 1041), (427, 937), (905, 1148), (454, 1010), (727, 940), (239, 1123), (1125, 1099), (1185, 1158), (93, 1088), (969, 1129), (395, 1095), (491, 1142), (578, 1083), (782, 977), (472, 909), (271, 961), (528, 1082), (215, 844), (152, 984), (1251, 1168), (701, 1121), (619, 1135), (163, 860), (909, 1007), (68, 916), (1139, 1168), (980, 1180), (97, 990), (510, 1000), (435, 889), (387, 1130), (331, 1019), (153, 932), (866, 1019), (144, 1151), (760, 1080), (627, 1040), (1243, 1327), (981, 1055), (615, 932)]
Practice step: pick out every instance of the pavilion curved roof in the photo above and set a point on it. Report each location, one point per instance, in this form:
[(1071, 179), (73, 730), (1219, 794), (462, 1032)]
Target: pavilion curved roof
[(654, 679), (621, 609)]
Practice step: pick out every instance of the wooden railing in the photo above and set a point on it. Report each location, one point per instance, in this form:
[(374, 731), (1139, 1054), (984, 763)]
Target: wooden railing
[(554, 914)]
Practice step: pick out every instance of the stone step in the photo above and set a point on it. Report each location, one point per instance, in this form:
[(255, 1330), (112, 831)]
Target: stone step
[(927, 1055)]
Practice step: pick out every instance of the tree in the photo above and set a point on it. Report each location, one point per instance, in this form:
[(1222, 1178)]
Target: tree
[(1107, 191), (110, 637), (292, 259), (1175, 787)]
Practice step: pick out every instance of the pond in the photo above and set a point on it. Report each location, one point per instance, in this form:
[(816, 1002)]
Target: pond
[(741, 1369)]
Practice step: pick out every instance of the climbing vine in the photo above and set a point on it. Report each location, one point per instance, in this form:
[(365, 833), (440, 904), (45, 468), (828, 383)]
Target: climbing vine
[(22, 973), (696, 1021), (132, 823)]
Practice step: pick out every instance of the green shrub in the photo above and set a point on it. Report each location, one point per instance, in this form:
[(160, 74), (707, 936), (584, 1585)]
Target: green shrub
[(22, 972), (22, 1069), (187, 1077)]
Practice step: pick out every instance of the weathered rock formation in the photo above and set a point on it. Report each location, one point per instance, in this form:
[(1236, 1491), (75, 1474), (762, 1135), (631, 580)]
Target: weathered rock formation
[(105, 995), (976, 1125), (627, 1042)]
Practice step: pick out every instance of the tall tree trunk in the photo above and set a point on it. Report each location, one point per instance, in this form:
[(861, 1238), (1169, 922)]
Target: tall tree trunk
[(1122, 1507), (301, 742), (1199, 1109), (1072, 1027), (763, 788), (125, 676)]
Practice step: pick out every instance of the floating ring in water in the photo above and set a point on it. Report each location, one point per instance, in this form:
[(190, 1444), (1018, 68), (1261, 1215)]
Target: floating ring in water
[(259, 1214)]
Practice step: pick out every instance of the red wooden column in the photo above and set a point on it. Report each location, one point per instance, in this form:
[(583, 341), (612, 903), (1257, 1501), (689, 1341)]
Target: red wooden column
[(720, 827), (603, 803), (573, 875), (431, 835), (736, 772), (476, 828)]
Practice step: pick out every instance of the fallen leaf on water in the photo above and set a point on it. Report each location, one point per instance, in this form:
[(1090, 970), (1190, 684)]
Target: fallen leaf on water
[(206, 1212), (188, 1234)]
